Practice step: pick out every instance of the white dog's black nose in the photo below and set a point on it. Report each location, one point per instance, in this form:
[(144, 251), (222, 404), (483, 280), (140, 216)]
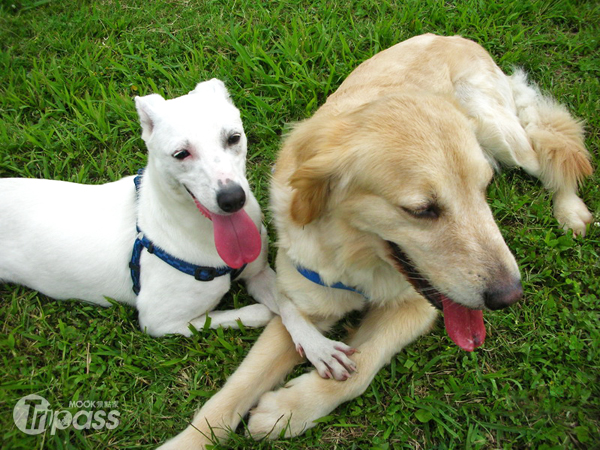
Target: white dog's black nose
[(231, 198), (503, 294)]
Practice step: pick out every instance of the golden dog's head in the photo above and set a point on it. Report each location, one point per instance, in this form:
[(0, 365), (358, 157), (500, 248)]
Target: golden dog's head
[(407, 175)]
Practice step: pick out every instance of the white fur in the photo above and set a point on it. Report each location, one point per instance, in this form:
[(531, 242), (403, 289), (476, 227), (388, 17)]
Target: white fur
[(70, 240)]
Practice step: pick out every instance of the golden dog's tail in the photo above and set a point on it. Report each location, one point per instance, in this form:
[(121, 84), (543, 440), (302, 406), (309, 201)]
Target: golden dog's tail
[(556, 137)]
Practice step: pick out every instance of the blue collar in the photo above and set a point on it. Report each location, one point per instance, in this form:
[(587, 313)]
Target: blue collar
[(316, 278), (200, 273)]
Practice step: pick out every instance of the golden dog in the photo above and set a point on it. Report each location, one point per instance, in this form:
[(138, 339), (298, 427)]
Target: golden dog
[(380, 205)]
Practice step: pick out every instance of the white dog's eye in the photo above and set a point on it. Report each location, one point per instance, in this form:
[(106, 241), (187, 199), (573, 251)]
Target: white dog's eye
[(181, 154), (234, 139)]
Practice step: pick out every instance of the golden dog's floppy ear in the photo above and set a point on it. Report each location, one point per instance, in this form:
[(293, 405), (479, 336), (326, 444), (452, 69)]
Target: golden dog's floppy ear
[(312, 185), (319, 153)]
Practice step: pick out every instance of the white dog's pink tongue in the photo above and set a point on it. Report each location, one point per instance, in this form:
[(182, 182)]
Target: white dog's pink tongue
[(464, 326), (237, 239)]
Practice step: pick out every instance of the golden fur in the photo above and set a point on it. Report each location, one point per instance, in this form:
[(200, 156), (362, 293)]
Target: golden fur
[(393, 168)]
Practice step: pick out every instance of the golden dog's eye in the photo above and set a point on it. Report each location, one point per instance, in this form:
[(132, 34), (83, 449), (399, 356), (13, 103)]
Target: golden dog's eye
[(429, 212)]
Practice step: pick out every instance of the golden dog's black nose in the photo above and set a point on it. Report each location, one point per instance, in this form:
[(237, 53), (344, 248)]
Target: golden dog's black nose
[(231, 198), (503, 294)]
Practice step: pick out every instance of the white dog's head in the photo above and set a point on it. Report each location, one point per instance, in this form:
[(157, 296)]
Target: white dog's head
[(197, 148), (198, 141)]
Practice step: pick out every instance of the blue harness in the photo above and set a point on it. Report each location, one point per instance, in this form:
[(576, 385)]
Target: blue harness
[(316, 278), (200, 273)]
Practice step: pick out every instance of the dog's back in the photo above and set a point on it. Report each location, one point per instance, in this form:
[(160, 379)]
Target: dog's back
[(426, 63), (49, 230)]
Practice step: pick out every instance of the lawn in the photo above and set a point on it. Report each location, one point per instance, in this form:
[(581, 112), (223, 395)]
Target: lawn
[(68, 75)]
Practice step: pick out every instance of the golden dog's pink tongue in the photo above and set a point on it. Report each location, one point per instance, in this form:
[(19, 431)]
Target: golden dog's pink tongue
[(464, 326), (237, 239)]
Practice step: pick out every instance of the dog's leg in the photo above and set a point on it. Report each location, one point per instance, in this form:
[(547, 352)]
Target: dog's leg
[(262, 285), (253, 316), (169, 305), (293, 409), (263, 289), (178, 322), (271, 358), (496, 125), (518, 126), (330, 358), (558, 142)]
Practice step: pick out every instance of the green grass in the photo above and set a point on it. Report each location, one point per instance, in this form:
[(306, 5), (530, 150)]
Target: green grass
[(68, 74)]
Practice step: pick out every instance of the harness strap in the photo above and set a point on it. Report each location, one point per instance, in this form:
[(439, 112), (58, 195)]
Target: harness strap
[(316, 278), (200, 273)]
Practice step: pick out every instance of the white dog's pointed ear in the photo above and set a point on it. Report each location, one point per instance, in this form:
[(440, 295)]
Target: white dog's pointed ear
[(147, 108), (214, 86)]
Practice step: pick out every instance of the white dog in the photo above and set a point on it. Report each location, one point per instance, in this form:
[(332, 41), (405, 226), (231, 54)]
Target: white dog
[(178, 236)]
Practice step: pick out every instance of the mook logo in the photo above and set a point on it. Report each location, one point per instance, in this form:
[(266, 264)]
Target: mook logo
[(32, 415)]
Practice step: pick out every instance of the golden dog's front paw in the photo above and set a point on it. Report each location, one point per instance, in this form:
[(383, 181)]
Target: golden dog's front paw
[(285, 412), (269, 419), (189, 439)]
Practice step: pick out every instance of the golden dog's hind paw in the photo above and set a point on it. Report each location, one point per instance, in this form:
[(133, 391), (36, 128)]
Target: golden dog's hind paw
[(572, 214)]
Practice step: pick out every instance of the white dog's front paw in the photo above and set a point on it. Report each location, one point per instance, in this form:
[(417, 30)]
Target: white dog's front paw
[(283, 413), (571, 213), (330, 358), (253, 316)]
